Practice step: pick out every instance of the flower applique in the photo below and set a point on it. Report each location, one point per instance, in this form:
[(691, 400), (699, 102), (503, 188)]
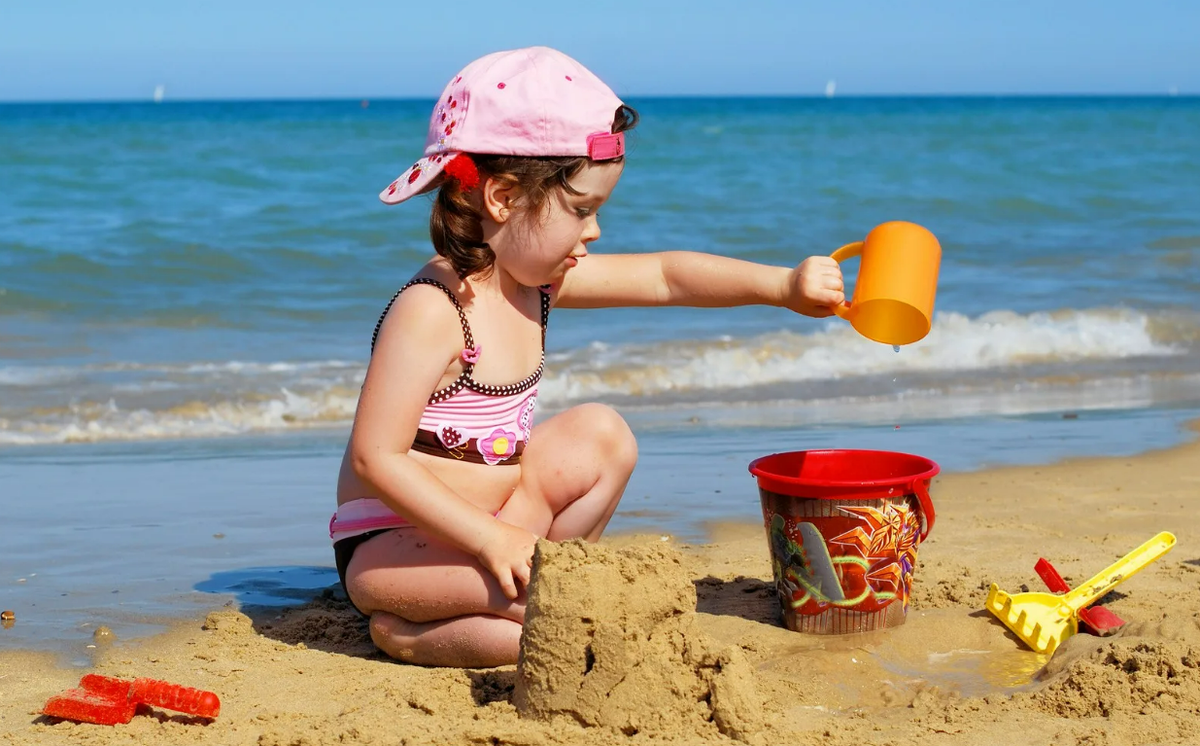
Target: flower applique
[(449, 115), (525, 418), (498, 446)]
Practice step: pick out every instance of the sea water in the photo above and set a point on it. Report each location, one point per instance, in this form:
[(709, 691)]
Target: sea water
[(187, 294)]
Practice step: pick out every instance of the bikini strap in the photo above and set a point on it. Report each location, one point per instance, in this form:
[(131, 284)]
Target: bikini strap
[(545, 292), (462, 316)]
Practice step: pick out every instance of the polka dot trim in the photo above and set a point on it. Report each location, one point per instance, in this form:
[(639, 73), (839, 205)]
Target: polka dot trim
[(464, 379)]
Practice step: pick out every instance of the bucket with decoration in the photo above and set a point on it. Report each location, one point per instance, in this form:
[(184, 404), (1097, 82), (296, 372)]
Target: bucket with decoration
[(843, 527)]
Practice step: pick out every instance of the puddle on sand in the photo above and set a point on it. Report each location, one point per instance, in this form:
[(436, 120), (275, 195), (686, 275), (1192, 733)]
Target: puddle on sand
[(958, 652), (969, 673), (966, 654)]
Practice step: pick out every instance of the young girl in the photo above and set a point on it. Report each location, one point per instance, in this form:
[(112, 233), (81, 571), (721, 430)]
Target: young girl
[(446, 484)]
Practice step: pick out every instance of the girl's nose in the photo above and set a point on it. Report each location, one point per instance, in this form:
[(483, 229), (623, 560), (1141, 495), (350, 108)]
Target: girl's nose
[(591, 231)]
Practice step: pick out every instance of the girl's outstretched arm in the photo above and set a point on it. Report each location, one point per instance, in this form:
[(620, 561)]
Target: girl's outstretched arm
[(417, 342), (686, 278)]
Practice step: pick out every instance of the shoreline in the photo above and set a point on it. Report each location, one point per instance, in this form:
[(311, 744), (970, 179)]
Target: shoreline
[(950, 669), (217, 534)]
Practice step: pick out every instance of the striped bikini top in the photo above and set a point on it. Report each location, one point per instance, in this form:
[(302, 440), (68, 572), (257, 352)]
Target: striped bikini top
[(473, 421)]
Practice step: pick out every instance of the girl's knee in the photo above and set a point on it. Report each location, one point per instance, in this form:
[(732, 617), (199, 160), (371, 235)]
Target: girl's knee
[(611, 434)]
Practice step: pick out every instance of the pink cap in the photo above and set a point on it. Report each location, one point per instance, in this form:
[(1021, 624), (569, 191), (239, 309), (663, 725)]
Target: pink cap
[(535, 101)]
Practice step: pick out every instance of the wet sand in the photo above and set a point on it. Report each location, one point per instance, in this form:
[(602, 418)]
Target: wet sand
[(952, 674)]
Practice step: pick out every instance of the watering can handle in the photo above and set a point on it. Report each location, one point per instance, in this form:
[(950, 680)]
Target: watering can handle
[(849, 251), (926, 514)]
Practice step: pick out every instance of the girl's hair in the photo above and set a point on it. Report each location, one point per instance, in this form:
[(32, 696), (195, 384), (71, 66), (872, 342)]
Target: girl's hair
[(456, 226)]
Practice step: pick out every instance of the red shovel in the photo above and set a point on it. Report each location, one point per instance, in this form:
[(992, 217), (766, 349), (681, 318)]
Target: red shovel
[(105, 700), (1097, 619)]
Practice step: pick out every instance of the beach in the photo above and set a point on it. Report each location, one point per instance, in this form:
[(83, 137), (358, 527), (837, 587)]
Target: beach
[(951, 674), (183, 342)]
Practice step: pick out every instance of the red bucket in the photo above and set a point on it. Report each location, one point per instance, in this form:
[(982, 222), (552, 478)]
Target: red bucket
[(843, 528)]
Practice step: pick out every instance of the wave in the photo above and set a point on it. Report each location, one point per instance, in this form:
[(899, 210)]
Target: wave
[(998, 363), (1000, 339)]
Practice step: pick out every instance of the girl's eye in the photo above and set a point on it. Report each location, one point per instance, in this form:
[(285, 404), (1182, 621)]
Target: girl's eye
[(583, 212)]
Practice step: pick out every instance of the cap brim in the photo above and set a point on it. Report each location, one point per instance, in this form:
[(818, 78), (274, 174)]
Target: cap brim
[(422, 176)]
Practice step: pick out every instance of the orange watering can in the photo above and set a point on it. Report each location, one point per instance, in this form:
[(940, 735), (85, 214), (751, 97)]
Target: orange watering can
[(896, 285)]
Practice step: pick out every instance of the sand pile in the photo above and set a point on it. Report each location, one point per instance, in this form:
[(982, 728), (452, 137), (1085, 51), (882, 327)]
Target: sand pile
[(1124, 676), (611, 640), (327, 623)]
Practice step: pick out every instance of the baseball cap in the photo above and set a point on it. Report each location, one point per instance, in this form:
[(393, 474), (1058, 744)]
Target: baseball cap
[(534, 101)]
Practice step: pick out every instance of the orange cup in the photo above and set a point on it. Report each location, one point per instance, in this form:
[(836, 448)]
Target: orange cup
[(897, 281)]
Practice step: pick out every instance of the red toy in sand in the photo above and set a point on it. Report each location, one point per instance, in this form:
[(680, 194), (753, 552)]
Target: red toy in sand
[(105, 700), (1095, 619)]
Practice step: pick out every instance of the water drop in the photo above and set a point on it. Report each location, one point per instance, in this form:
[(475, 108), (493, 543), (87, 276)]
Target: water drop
[(895, 348)]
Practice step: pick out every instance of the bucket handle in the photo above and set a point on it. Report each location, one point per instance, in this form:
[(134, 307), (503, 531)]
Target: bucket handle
[(926, 513)]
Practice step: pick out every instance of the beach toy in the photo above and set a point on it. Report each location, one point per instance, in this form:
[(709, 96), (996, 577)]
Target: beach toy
[(86, 706), (843, 528), (1043, 620), (175, 697), (106, 700), (106, 685), (897, 281), (1094, 620)]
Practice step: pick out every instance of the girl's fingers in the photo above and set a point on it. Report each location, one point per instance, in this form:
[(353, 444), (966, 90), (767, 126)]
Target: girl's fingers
[(509, 588), (823, 262), (829, 297), (505, 578)]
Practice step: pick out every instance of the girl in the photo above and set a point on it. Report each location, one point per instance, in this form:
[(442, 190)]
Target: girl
[(446, 485)]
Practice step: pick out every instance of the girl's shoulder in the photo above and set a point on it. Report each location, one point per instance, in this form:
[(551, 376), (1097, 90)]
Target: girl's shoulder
[(426, 305)]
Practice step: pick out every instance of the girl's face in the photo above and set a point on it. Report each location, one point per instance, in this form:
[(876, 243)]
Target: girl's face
[(543, 245)]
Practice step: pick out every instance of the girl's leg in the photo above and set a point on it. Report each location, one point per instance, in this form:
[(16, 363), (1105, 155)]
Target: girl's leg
[(475, 641), (573, 473), (433, 604)]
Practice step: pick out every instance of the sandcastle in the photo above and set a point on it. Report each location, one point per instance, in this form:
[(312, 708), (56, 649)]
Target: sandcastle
[(611, 640)]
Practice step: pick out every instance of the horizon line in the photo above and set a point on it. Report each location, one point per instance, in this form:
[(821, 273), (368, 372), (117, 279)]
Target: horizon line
[(371, 99)]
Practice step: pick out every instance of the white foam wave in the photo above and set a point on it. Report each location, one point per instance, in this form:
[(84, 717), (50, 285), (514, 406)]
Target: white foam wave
[(34, 375), (956, 343), (140, 401), (107, 421)]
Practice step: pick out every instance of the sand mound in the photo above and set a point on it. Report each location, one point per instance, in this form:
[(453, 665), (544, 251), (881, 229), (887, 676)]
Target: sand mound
[(1125, 676), (611, 641), (327, 622)]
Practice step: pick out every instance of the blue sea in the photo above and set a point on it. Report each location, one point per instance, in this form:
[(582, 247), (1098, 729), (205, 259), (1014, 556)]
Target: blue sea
[(188, 291)]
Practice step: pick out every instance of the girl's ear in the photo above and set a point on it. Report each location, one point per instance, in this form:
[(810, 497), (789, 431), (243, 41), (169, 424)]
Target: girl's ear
[(499, 196)]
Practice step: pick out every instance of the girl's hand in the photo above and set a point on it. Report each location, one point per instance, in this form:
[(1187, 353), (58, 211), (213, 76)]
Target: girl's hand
[(509, 556), (815, 287)]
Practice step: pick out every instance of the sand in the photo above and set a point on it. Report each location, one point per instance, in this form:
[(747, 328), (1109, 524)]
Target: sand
[(643, 639)]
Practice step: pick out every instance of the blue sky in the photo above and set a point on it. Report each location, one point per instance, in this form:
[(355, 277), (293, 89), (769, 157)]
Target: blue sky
[(75, 50)]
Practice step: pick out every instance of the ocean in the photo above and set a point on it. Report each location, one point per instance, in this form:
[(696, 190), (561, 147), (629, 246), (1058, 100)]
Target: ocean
[(188, 291)]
